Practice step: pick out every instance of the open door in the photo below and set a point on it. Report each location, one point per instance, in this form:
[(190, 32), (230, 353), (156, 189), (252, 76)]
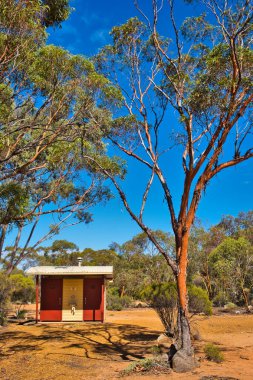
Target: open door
[(93, 303), (72, 303)]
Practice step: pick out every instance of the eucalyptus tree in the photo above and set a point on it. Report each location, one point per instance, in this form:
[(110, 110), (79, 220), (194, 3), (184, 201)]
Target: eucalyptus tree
[(202, 73), (55, 12), (231, 234), (231, 266), (238, 226), (54, 111)]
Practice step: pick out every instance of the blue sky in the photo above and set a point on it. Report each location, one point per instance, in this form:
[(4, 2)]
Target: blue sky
[(85, 32)]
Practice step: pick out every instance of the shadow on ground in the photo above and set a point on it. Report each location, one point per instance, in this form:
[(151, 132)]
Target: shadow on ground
[(113, 342)]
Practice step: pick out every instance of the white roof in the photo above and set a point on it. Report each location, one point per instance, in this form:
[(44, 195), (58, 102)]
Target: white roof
[(71, 270)]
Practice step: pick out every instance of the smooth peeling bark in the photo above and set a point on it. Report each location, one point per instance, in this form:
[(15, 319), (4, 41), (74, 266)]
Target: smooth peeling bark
[(183, 360), (184, 334)]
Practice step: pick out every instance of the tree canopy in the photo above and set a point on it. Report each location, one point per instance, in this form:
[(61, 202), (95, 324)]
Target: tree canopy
[(54, 113), (201, 72)]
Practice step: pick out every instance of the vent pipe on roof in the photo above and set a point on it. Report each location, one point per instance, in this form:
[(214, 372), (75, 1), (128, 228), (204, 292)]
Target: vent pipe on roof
[(79, 261)]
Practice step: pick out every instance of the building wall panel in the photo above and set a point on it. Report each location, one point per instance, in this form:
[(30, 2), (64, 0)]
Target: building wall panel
[(72, 305), (51, 299), (93, 308)]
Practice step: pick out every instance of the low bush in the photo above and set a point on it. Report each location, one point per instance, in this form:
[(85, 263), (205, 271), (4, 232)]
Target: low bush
[(5, 295), (156, 350), (23, 288), (220, 299), (163, 298), (21, 313), (139, 366), (153, 365), (230, 306), (213, 353), (3, 318), (199, 301), (16, 288), (115, 302)]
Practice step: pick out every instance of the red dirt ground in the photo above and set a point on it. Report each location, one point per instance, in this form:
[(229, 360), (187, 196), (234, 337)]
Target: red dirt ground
[(100, 351)]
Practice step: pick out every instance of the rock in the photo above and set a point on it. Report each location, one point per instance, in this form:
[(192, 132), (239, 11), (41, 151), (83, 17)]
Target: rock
[(164, 342), (139, 304), (196, 334), (163, 339), (165, 346), (164, 358), (182, 362)]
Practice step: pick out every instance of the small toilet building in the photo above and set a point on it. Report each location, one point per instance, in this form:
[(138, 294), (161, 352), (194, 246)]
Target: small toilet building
[(71, 293)]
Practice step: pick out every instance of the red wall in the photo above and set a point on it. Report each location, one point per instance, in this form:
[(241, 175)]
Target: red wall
[(51, 299)]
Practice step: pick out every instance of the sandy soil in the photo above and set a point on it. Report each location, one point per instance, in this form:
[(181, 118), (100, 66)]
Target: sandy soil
[(100, 351)]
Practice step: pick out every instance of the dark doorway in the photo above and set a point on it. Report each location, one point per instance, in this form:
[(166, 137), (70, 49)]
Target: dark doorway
[(51, 299), (93, 301)]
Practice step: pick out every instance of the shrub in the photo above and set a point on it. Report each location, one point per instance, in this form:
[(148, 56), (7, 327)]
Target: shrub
[(199, 301), (153, 365), (16, 288), (163, 298), (156, 350), (115, 302), (5, 294), (213, 353), (23, 288), (230, 306), (220, 299), (20, 314), (139, 366), (3, 318)]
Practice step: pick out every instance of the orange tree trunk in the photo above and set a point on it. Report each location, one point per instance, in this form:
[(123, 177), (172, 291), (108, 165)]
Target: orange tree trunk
[(184, 334)]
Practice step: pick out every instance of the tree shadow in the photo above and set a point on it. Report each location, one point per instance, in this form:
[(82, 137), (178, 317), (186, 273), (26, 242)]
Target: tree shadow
[(108, 341)]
